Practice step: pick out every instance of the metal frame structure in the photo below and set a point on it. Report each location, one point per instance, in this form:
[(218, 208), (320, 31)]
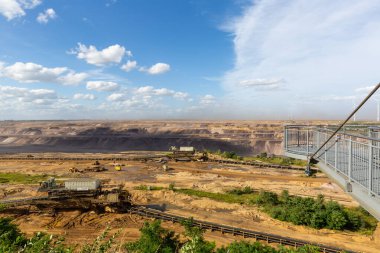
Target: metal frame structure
[(352, 161)]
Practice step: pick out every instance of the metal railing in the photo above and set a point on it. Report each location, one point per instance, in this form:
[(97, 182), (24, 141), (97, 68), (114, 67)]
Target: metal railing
[(354, 157)]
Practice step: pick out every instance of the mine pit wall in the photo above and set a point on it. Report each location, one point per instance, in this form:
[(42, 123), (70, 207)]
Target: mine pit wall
[(109, 145), (244, 139)]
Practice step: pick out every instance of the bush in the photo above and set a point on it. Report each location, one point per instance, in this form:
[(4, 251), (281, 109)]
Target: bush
[(267, 198), (11, 240), (154, 239), (172, 186), (336, 220), (315, 213), (196, 242), (246, 247), (242, 191), (144, 187)]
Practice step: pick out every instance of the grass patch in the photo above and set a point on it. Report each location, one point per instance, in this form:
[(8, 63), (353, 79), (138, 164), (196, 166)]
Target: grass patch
[(223, 197), (287, 161), (3, 207), (242, 191), (143, 187), (19, 178)]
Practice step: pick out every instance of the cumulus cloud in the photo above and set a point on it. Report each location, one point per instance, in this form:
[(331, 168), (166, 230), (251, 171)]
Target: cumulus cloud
[(111, 54), (11, 9), (46, 16), (31, 73), (337, 98), (365, 89), (130, 65), (145, 90), (102, 86), (319, 47), (116, 97), (23, 95), (156, 69), (207, 100), (260, 82), (84, 96), (151, 91)]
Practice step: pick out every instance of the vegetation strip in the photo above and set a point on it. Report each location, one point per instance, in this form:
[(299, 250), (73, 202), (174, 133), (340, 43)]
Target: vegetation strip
[(315, 213), (19, 178)]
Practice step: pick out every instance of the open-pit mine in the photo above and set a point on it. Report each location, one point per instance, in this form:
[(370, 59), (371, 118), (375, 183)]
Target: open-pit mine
[(79, 178)]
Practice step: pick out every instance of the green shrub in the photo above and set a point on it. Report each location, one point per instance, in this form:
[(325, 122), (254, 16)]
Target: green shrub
[(20, 178), (154, 239), (241, 191), (315, 213), (12, 240), (336, 220), (172, 186), (267, 198), (144, 187), (195, 241)]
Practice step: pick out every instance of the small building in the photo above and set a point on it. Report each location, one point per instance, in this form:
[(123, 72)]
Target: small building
[(82, 184), (187, 149), (184, 151)]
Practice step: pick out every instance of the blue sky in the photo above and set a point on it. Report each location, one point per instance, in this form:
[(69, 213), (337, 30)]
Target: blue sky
[(170, 59)]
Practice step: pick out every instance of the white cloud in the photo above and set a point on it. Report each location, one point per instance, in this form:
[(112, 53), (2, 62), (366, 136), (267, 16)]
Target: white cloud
[(102, 86), (180, 95), (207, 100), (44, 17), (151, 91), (260, 82), (116, 97), (38, 96), (163, 92), (32, 73), (158, 68), (72, 78), (338, 98), (319, 47), (111, 54), (145, 90), (84, 96), (11, 9), (130, 65), (365, 89)]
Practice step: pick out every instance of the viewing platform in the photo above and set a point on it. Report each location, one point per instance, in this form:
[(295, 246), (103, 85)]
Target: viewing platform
[(351, 159)]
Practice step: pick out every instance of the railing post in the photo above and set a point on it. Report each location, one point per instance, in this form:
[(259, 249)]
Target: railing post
[(370, 164), (318, 139), (336, 154), (349, 159), (307, 141), (286, 139), (325, 148), (298, 137)]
